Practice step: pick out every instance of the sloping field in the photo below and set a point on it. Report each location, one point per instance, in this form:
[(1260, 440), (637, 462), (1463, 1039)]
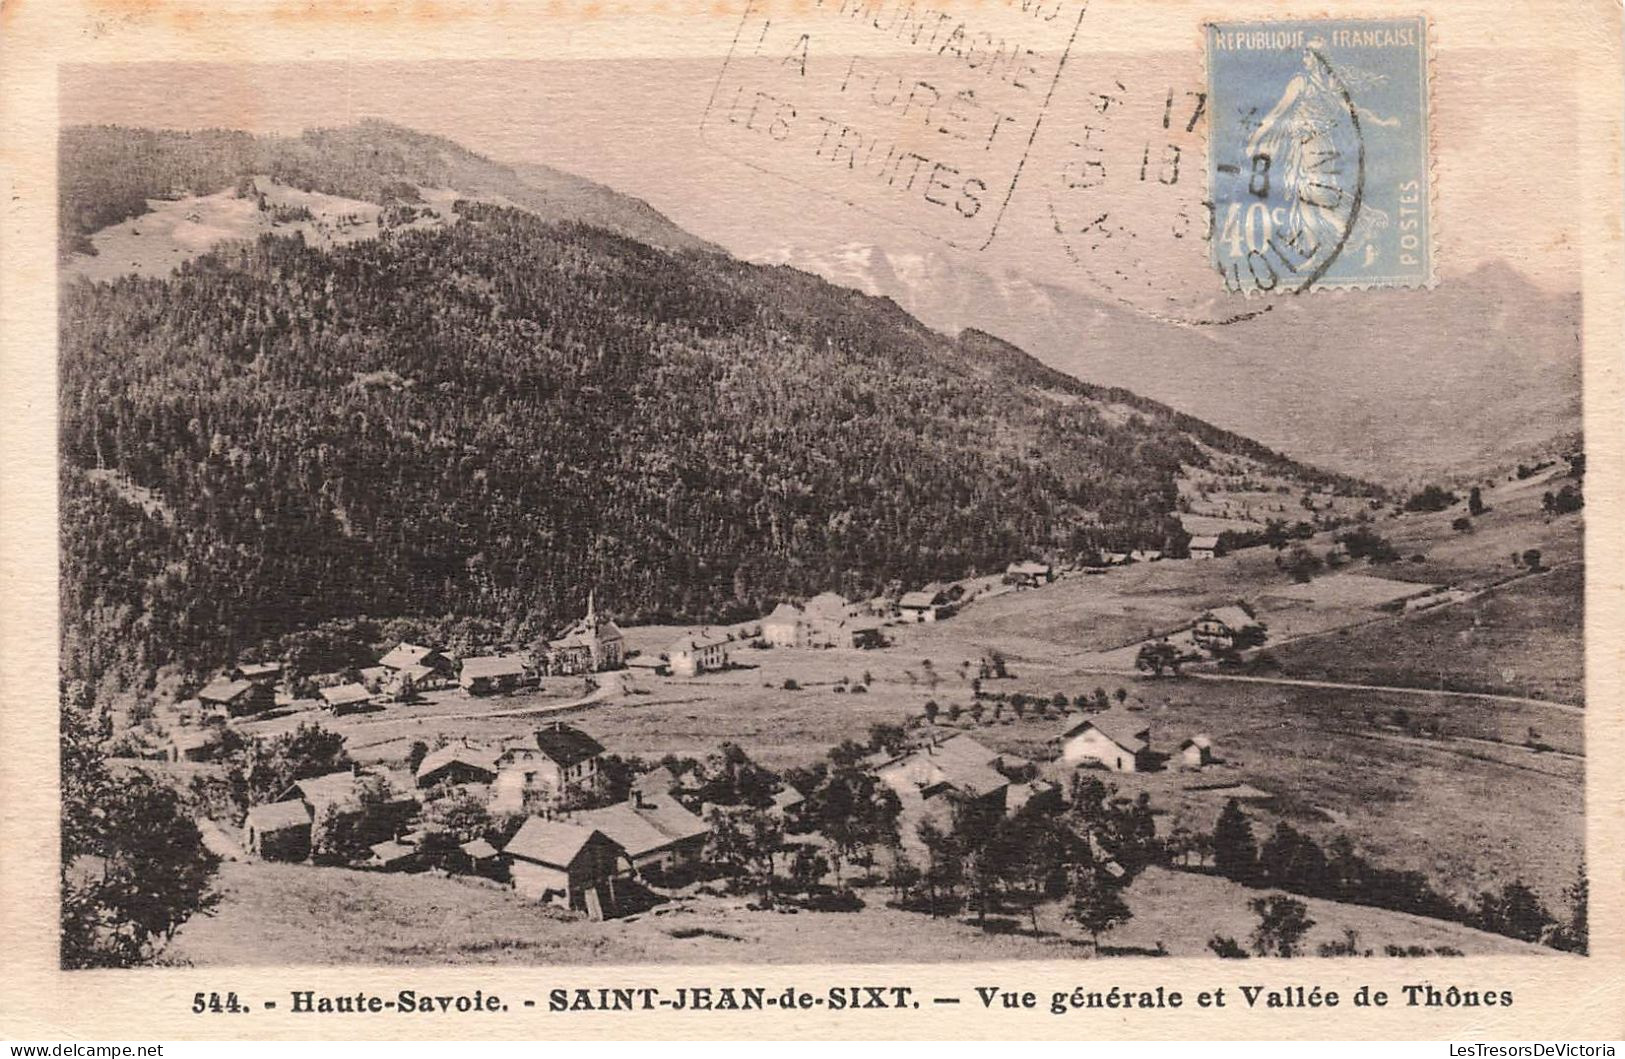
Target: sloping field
[(299, 915), (1525, 639)]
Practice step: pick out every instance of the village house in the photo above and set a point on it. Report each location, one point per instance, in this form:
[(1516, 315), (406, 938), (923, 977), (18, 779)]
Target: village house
[(1196, 752), (788, 804), (705, 652), (1116, 740), (592, 645), (278, 831), (658, 834), (785, 627), (1205, 547), (346, 698), (566, 864), (457, 763), (420, 663), (930, 603), (957, 764), (1145, 555), (238, 698), (392, 855), (1225, 629), (1029, 574), (493, 674), (376, 803), (197, 744), (560, 757), (829, 620)]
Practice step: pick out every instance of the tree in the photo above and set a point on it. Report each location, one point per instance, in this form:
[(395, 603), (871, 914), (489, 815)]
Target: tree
[(1235, 853), (1531, 558), (945, 863), (1226, 948), (1094, 902), (1153, 658), (807, 867), (1516, 911), (415, 756), (1282, 924), (460, 814), (931, 709), (1475, 502), (1302, 564), (1575, 935), (1462, 524)]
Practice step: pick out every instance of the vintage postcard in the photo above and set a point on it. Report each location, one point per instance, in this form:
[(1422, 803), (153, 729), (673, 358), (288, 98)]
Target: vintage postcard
[(828, 518)]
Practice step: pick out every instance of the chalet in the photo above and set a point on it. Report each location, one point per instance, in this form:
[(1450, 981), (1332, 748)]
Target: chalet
[(1029, 574), (696, 654), (569, 865), (491, 674), (1115, 740), (457, 763), (416, 660), (560, 757), (238, 698), (1116, 558), (1196, 752), (391, 855), (278, 831), (377, 803), (658, 834), (592, 645), (656, 783), (1224, 629), (1206, 547), (346, 698), (1145, 555), (930, 603), (829, 619), (481, 858), (958, 763), (785, 627), (267, 673), (197, 744)]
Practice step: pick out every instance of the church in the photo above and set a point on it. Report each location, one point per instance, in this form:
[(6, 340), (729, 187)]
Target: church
[(591, 645)]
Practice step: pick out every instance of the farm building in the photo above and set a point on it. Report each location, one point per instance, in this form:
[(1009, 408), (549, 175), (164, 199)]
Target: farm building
[(278, 831), (377, 803), (1116, 740), (457, 763), (864, 636), (198, 744), (592, 645), (1224, 629), (658, 834), (692, 655), (930, 603), (1145, 555), (237, 697), (1029, 574), (491, 674), (267, 673), (415, 658), (958, 763), (1205, 547), (1196, 752), (786, 626), (559, 757), (482, 858), (566, 864), (346, 698)]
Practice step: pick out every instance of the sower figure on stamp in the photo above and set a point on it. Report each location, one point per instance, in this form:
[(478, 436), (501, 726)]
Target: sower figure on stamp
[(1292, 148)]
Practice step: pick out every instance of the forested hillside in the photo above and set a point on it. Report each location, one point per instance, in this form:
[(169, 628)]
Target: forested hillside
[(490, 418)]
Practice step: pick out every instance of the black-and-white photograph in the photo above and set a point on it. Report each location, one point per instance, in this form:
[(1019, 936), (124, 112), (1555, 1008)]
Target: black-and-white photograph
[(938, 505)]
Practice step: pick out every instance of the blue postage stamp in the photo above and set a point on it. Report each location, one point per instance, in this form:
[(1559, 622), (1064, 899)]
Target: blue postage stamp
[(1318, 153)]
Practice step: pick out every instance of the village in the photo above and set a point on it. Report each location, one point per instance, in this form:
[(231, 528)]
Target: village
[(964, 751)]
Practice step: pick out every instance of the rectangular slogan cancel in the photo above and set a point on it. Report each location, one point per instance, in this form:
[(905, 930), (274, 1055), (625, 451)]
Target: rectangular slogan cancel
[(920, 111)]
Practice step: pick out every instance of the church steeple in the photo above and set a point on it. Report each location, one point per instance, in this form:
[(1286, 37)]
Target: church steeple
[(592, 610)]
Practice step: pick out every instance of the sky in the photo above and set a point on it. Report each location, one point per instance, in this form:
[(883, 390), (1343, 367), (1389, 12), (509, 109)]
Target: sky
[(1502, 127)]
